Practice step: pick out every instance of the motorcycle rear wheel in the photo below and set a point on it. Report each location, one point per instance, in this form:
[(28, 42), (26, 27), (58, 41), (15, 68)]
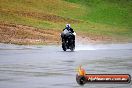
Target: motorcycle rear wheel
[(72, 48)]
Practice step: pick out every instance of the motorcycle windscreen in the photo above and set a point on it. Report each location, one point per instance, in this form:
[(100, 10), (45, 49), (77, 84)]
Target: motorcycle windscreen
[(65, 31)]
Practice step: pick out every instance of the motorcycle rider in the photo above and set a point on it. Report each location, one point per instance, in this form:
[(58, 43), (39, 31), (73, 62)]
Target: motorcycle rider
[(67, 30)]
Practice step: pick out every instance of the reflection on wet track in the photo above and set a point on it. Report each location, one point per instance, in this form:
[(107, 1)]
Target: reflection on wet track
[(49, 66)]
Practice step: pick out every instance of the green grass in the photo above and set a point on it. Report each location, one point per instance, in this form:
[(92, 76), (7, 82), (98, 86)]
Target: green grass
[(111, 12), (12, 18), (98, 17)]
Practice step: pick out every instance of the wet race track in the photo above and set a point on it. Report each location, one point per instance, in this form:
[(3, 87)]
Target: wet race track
[(50, 67)]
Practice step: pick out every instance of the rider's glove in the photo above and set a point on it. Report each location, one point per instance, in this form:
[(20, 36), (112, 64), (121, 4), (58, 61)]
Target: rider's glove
[(74, 33)]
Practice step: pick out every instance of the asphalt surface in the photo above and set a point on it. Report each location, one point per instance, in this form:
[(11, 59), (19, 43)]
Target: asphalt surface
[(50, 67)]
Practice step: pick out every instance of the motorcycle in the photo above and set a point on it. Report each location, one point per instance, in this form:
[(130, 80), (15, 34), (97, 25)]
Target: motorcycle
[(68, 41)]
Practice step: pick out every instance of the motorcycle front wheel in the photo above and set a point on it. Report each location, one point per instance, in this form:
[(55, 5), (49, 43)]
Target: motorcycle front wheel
[(64, 46)]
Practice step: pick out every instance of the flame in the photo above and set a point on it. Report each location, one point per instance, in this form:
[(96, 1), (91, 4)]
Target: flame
[(81, 71)]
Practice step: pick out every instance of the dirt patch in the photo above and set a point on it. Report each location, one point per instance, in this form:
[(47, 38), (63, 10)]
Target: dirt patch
[(90, 38), (41, 16), (85, 38), (19, 34)]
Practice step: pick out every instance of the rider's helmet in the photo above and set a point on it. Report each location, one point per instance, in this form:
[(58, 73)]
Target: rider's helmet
[(68, 25)]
